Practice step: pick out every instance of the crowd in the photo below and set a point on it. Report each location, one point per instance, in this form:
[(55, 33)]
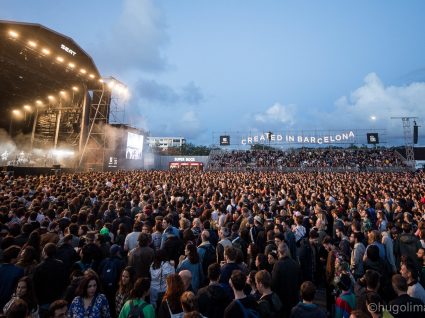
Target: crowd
[(305, 158), (213, 244)]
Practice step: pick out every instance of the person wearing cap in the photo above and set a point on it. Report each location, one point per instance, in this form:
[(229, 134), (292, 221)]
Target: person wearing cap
[(256, 233)]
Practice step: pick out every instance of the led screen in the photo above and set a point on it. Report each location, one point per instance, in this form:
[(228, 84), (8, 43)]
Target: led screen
[(134, 148)]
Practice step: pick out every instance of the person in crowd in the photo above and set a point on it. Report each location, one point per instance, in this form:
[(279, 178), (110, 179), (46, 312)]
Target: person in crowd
[(89, 303), (24, 291), (346, 301), (306, 308), (49, 270), (136, 303), (286, 279), (131, 240), (269, 304), (191, 262), (399, 284), (19, 309), (58, 309), (141, 257), (170, 304), (9, 273), (189, 302), (242, 304), (159, 270), (125, 286), (213, 299), (228, 267), (414, 289)]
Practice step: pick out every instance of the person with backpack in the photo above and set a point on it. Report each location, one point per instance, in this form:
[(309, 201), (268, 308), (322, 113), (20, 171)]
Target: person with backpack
[(242, 306), (206, 252), (136, 306), (109, 270), (269, 304), (213, 299)]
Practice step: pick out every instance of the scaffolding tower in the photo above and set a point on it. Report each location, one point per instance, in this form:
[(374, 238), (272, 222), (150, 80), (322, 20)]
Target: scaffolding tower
[(408, 140)]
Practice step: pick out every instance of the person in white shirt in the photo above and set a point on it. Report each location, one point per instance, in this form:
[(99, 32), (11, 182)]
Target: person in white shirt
[(131, 240), (414, 289)]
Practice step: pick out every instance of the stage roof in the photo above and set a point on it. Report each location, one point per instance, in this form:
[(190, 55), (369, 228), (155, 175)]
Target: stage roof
[(36, 61)]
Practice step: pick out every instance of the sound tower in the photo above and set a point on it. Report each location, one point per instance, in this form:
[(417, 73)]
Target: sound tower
[(415, 134)]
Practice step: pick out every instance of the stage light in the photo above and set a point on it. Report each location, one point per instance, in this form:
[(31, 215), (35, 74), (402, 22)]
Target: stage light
[(50, 97), (28, 108), (101, 80), (62, 153), (83, 71), (373, 117), (71, 65), (13, 34), (39, 102), (91, 76), (75, 88), (60, 59), (32, 43), (16, 112), (62, 92), (45, 51), (111, 84)]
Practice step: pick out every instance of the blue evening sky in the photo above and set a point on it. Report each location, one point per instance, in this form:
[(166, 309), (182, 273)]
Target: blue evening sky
[(198, 67)]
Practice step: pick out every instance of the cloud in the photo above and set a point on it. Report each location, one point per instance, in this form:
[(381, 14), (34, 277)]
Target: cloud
[(277, 114), (373, 98), (153, 91), (136, 40)]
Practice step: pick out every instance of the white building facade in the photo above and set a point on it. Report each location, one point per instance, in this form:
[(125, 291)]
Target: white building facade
[(165, 142)]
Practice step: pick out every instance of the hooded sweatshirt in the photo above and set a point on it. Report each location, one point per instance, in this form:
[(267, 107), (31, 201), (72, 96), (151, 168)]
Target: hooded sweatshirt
[(307, 311)]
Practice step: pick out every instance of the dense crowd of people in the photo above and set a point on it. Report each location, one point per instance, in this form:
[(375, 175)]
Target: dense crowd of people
[(215, 244), (305, 158)]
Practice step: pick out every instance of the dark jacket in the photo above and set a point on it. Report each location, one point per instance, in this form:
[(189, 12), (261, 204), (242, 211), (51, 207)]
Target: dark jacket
[(406, 245), (269, 306), (50, 280), (286, 281), (407, 302), (67, 254), (212, 301), (9, 276), (307, 311)]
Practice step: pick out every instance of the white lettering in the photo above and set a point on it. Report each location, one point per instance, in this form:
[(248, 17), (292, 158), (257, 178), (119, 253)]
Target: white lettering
[(344, 136), (319, 141), (312, 140), (291, 138), (306, 140), (262, 138), (300, 138), (279, 138), (338, 137), (272, 137), (250, 140), (326, 139), (68, 50), (351, 134), (243, 141)]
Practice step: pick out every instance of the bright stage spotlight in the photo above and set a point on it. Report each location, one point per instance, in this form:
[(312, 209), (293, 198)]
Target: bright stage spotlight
[(13, 34), (45, 51), (28, 108), (32, 44), (83, 71), (59, 59), (75, 88), (39, 102)]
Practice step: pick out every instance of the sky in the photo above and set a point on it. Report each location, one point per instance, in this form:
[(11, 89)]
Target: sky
[(200, 68)]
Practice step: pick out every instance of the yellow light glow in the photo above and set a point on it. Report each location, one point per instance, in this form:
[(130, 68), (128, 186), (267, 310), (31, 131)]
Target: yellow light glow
[(45, 51), (16, 112), (71, 65), (111, 84), (13, 34), (91, 75), (62, 92), (100, 80), (50, 97), (75, 88), (32, 43), (27, 107), (39, 102), (83, 71), (60, 59)]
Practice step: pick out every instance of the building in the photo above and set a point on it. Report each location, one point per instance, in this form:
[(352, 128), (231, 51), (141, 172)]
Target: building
[(165, 142)]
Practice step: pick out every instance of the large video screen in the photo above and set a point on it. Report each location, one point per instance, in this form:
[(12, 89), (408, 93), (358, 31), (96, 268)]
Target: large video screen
[(134, 148)]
